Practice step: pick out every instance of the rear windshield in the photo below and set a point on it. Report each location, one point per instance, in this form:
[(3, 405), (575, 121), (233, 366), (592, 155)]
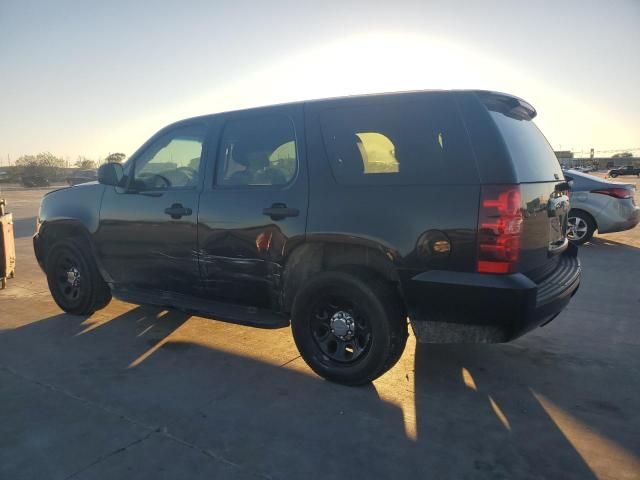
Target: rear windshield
[(533, 157), (398, 143)]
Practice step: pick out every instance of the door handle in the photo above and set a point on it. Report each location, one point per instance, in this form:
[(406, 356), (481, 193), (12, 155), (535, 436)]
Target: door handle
[(278, 211), (177, 211)]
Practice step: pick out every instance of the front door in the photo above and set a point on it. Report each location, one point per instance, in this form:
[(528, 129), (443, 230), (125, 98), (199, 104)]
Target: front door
[(253, 206), (147, 237)]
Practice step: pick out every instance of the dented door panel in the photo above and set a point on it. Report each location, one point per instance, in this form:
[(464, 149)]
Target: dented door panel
[(241, 246)]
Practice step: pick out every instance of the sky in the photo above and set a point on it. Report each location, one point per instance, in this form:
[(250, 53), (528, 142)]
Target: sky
[(82, 78)]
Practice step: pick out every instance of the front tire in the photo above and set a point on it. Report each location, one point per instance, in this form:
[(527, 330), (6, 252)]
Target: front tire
[(74, 280), (580, 227), (349, 328)]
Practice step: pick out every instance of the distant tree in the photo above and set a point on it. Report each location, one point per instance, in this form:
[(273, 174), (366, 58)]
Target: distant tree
[(26, 161), (43, 164), (85, 164), (44, 159), (115, 158), (622, 155)]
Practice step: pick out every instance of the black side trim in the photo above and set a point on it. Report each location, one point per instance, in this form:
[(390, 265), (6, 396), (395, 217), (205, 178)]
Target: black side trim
[(239, 314)]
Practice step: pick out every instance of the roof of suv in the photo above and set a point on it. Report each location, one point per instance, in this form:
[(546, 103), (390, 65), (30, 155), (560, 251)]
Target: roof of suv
[(490, 98)]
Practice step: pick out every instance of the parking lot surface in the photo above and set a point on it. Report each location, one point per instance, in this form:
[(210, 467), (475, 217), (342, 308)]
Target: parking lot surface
[(141, 392)]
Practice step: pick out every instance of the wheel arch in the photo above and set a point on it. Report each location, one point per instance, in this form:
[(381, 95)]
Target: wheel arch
[(51, 232), (313, 257)]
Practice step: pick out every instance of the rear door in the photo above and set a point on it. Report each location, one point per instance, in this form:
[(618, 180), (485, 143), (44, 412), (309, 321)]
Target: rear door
[(253, 208), (545, 201), (510, 149)]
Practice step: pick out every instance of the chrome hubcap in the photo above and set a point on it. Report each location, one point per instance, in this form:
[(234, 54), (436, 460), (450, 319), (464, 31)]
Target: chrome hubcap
[(342, 325), (73, 277), (68, 277), (576, 228), (340, 329)]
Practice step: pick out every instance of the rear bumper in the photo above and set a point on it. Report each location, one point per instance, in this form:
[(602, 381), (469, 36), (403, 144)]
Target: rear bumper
[(460, 307), (621, 221)]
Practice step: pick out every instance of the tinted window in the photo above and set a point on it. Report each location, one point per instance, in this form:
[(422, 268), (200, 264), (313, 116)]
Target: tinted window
[(257, 151), (172, 161), (530, 151), (399, 143)]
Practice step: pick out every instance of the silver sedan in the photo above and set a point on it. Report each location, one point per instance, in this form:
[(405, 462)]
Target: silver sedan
[(598, 204)]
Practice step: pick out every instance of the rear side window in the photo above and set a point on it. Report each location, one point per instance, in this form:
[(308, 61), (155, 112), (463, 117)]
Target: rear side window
[(531, 154), (399, 143)]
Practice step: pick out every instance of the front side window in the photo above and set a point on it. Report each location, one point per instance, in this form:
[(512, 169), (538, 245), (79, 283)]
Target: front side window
[(257, 151), (172, 161)]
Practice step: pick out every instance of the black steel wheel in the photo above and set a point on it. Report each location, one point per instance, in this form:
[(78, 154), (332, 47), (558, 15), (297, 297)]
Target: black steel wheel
[(68, 276), (350, 328), (74, 281), (340, 329)]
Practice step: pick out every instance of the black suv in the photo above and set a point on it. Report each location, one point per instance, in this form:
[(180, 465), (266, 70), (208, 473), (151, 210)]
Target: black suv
[(347, 216), (626, 170)]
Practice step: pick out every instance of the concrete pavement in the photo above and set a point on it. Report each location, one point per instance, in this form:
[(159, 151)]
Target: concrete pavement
[(140, 392)]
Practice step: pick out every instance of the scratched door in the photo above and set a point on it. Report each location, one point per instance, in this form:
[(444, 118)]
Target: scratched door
[(147, 238), (253, 207)]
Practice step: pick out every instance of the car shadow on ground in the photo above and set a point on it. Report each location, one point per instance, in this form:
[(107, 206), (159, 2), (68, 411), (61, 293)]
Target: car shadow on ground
[(528, 409), (483, 411), (607, 242)]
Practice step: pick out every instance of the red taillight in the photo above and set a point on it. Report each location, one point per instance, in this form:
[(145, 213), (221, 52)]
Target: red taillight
[(615, 192), (499, 228)]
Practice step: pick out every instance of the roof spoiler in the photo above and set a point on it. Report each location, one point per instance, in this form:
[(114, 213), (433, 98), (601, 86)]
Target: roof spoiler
[(507, 104)]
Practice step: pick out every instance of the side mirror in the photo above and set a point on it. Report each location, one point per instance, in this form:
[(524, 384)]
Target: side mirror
[(110, 174)]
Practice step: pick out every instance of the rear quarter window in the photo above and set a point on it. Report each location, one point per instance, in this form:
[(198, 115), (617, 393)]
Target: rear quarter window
[(532, 156), (398, 143)]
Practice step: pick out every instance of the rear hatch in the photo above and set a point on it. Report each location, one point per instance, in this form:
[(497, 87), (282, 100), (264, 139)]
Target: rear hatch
[(543, 193)]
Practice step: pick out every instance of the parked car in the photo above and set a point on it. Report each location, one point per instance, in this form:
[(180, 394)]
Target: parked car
[(34, 181), (598, 204), (342, 217), (585, 168), (82, 176), (626, 170)]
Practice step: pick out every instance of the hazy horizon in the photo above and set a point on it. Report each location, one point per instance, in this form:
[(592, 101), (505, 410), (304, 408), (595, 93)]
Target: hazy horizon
[(84, 79)]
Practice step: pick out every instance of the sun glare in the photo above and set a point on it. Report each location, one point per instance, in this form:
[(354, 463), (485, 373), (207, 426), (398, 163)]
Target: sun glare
[(373, 63)]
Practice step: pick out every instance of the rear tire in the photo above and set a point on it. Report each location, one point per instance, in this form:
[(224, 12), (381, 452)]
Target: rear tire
[(350, 329), (581, 227), (73, 277)]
